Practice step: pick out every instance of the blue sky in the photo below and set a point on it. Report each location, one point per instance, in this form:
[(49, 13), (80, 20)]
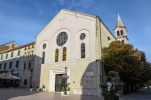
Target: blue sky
[(22, 20)]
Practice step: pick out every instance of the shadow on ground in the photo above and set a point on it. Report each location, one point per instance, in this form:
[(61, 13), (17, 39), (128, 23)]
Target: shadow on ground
[(142, 94), (8, 93), (25, 94)]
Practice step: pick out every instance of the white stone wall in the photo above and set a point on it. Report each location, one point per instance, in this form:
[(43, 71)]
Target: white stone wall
[(83, 76), (121, 37), (105, 33), (73, 24)]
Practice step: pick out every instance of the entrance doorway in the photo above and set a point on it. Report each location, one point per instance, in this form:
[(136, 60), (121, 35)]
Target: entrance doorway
[(58, 82)]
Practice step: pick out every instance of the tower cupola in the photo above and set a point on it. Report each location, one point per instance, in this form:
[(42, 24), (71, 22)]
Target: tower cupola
[(120, 31)]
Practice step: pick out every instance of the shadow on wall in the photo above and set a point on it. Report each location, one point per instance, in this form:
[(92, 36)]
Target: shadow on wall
[(37, 71), (18, 68), (25, 68), (91, 80)]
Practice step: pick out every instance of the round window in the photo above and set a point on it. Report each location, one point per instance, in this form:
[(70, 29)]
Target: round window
[(62, 38), (82, 36), (44, 45)]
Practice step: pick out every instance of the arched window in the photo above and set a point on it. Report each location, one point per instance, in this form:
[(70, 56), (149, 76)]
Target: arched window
[(64, 54), (43, 57), (29, 65), (24, 65), (108, 38), (123, 41), (12, 54), (82, 50), (118, 33), (44, 46), (1, 57), (6, 56), (25, 81), (56, 55), (18, 53), (121, 32)]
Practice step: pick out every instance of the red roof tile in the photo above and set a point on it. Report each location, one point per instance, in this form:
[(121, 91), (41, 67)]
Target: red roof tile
[(19, 47)]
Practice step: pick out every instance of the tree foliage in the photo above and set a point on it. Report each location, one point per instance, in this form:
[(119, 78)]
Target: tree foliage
[(129, 62)]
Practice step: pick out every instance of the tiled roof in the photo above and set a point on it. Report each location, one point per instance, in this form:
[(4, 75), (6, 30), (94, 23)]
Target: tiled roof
[(19, 47), (7, 43), (3, 48)]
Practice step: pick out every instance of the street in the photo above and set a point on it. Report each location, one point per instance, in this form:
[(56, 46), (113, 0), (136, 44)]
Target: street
[(25, 94), (142, 94)]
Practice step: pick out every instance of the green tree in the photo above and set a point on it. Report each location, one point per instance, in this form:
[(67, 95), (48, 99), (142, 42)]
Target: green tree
[(131, 64)]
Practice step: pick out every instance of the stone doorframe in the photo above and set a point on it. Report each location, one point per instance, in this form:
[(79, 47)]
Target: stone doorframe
[(52, 77)]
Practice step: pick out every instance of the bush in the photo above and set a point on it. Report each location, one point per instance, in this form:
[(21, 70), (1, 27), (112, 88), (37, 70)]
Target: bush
[(112, 84), (43, 86), (63, 88)]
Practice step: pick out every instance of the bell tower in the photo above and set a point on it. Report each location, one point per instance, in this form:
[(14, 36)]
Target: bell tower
[(120, 31)]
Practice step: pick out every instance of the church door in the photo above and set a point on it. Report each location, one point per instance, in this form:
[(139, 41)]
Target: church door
[(58, 82)]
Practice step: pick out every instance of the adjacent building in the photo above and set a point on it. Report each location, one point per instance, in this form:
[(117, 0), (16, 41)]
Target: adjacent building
[(16, 63)]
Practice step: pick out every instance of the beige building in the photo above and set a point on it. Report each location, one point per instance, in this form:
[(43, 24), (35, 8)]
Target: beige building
[(71, 43), (17, 62)]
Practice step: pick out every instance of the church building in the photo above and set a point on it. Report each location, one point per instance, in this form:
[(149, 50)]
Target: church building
[(72, 44)]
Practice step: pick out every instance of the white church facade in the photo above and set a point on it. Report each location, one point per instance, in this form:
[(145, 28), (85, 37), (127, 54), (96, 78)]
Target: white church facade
[(72, 43)]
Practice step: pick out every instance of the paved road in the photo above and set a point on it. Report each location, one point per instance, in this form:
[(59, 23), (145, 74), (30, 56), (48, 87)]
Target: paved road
[(142, 94), (25, 94)]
